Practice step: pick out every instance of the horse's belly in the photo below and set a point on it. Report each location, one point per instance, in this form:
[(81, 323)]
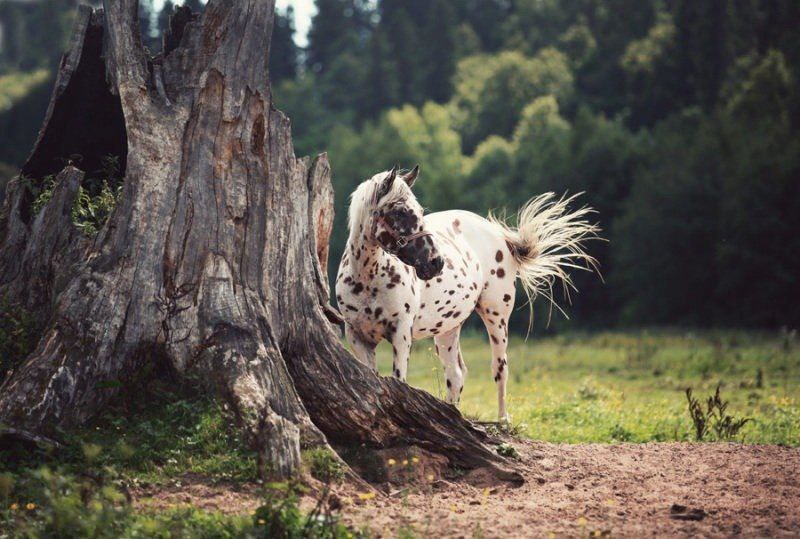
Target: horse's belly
[(446, 301)]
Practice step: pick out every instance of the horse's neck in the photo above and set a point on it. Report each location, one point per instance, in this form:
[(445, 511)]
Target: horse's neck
[(362, 256)]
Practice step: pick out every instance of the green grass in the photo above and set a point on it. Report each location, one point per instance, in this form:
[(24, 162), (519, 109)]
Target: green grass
[(154, 439), (612, 387)]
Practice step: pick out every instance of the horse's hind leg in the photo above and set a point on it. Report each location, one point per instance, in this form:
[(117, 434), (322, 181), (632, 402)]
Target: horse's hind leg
[(364, 352), (448, 348), (495, 309)]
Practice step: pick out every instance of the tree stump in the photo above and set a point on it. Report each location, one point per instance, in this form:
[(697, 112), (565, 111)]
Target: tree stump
[(213, 261)]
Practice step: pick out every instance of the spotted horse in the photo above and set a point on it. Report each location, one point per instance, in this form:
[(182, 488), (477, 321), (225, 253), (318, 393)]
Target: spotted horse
[(406, 276)]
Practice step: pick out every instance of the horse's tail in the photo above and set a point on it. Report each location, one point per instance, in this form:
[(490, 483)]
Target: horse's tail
[(549, 240)]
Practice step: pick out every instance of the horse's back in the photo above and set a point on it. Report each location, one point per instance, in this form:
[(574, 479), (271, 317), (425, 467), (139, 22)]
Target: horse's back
[(483, 237)]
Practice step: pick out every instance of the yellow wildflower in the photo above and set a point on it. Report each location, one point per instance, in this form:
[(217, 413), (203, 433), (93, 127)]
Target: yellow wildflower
[(262, 521), (31, 506), (366, 495), (431, 477), (415, 460), (14, 506), (405, 462), (391, 462)]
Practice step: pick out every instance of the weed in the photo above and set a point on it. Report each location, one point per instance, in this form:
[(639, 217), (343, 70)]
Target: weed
[(713, 419), (280, 515), (90, 213), (96, 198), (619, 433), (507, 450), (45, 193), (323, 464)]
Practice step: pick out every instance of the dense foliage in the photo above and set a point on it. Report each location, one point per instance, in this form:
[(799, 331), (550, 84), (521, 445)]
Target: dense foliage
[(679, 119)]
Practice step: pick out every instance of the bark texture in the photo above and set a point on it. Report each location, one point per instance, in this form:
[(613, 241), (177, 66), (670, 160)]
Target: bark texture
[(214, 258)]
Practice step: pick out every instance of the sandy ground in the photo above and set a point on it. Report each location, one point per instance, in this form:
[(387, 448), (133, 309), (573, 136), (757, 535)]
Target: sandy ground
[(629, 490)]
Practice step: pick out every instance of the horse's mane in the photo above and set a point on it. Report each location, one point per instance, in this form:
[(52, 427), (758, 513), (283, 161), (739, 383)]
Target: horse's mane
[(363, 202)]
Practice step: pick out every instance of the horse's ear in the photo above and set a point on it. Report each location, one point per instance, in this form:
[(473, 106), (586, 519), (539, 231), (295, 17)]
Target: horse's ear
[(386, 184), (411, 177)]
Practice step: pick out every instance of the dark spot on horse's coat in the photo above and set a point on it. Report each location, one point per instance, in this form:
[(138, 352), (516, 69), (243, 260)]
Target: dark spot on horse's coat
[(449, 384), (438, 325), (495, 340), (492, 272), (378, 312), (456, 226), (499, 256), (497, 377), (507, 298), (458, 313), (367, 310), (422, 306), (451, 292), (357, 288), (390, 285), (408, 307), (397, 373), (501, 273), (438, 279)]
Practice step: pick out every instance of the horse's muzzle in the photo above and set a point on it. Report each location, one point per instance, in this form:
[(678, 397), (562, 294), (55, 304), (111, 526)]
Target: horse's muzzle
[(430, 269)]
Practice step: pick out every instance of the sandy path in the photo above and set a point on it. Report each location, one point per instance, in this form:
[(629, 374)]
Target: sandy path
[(573, 490)]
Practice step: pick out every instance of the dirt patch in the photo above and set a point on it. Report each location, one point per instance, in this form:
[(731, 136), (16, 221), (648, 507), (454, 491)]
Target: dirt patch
[(620, 490), (198, 491)]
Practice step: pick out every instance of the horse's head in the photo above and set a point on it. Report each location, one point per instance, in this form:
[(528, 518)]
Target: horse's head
[(398, 225)]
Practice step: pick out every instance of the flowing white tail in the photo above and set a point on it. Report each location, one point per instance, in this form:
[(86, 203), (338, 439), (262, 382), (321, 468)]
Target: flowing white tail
[(547, 241)]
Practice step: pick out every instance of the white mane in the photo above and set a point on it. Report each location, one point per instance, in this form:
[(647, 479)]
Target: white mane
[(363, 203)]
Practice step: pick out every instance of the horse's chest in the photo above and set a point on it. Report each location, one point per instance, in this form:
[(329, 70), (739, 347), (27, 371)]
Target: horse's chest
[(377, 303)]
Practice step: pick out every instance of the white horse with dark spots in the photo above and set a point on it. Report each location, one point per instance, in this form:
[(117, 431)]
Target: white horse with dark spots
[(406, 276)]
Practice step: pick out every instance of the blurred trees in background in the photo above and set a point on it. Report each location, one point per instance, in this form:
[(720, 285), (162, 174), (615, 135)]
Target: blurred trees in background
[(678, 118)]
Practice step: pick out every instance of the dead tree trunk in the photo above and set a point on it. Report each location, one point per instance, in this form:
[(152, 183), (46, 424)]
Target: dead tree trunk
[(214, 258)]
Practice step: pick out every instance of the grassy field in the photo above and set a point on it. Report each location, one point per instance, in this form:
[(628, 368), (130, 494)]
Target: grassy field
[(627, 386), (577, 388)]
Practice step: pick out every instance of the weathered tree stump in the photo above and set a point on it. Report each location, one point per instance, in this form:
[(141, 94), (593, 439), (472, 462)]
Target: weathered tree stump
[(213, 261)]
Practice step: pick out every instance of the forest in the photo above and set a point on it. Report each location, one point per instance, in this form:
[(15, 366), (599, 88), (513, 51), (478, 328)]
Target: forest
[(678, 119)]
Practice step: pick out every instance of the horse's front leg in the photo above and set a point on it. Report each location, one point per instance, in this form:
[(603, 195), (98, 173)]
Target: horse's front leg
[(401, 348), (364, 352)]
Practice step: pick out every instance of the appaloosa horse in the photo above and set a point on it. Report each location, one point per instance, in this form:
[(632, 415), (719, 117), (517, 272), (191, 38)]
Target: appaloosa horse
[(405, 276)]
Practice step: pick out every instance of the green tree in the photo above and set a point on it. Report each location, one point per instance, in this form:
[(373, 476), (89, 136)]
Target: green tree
[(492, 90), (665, 240)]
